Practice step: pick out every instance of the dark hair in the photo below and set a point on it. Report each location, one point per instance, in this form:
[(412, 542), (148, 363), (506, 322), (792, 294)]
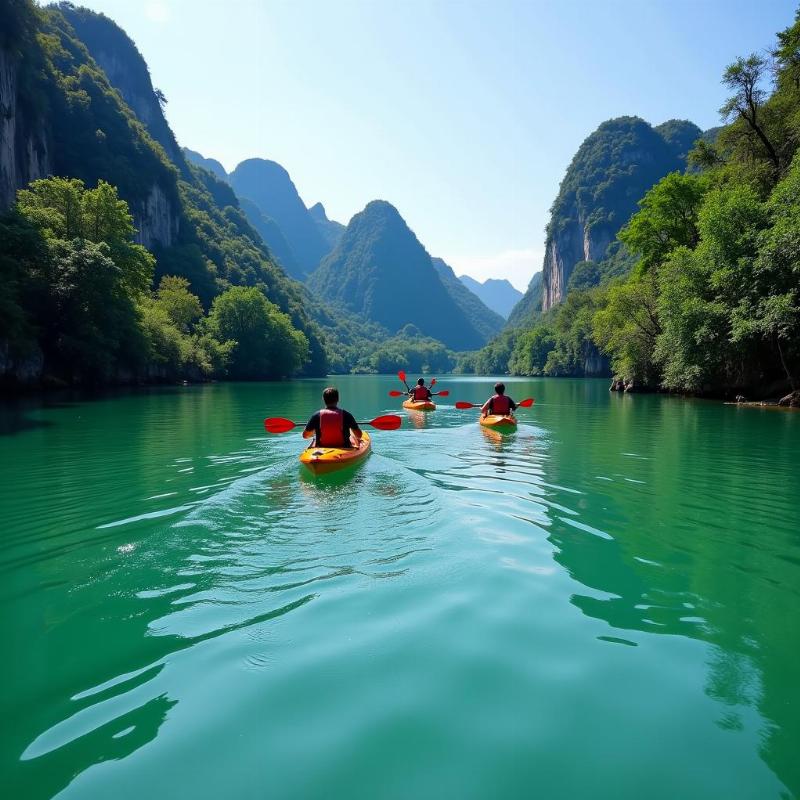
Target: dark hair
[(500, 388), (421, 382), (331, 396)]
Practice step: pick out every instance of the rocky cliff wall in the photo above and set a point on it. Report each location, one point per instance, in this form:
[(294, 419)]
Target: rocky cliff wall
[(24, 143)]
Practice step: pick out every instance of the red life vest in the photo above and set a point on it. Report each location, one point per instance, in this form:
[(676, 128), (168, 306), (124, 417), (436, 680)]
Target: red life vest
[(500, 404), (331, 428), (420, 393)]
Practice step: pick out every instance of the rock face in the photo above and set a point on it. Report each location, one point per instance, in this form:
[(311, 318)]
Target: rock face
[(24, 142), (610, 173), (117, 55), (270, 188), (496, 293), (380, 270), (792, 400), (156, 220)]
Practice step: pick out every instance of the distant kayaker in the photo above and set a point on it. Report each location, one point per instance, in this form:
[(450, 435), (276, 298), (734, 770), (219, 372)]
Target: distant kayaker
[(420, 393), (331, 426), (499, 402)]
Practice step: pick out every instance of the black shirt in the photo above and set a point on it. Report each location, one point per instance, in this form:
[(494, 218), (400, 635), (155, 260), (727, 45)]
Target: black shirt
[(348, 424)]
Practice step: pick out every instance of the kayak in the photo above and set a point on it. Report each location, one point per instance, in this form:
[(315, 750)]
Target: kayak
[(419, 405), (326, 459), (505, 423)]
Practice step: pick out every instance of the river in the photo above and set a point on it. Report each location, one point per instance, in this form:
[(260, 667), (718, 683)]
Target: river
[(604, 604)]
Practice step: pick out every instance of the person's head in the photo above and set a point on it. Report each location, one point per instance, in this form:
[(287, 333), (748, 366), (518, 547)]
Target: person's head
[(330, 396), (421, 382), (500, 388)]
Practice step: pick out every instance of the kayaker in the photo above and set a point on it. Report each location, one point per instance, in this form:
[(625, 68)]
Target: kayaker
[(420, 393), (499, 403), (331, 426)]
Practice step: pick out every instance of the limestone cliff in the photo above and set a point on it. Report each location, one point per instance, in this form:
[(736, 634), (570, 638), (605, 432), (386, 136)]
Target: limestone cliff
[(25, 145), (612, 170)]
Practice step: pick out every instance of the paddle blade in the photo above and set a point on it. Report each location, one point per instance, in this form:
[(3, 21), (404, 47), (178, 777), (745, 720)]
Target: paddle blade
[(445, 393), (278, 425), (389, 422), (526, 403), (462, 404), (432, 383), (402, 376), (395, 393)]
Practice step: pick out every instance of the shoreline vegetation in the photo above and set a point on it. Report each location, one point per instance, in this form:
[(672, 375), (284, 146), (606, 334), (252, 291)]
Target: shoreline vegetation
[(137, 267)]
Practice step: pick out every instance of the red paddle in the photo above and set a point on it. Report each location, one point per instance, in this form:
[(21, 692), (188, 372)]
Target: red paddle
[(522, 404), (402, 377), (395, 393), (389, 422)]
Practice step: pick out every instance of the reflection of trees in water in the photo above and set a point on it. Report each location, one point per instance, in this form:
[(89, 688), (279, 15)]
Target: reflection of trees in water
[(54, 770), (715, 577), (756, 642)]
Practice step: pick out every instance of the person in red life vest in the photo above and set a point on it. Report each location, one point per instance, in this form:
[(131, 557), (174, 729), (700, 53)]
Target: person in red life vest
[(420, 393), (331, 426), (499, 402)]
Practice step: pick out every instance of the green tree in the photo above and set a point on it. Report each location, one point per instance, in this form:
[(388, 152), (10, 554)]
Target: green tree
[(531, 351), (64, 209), (667, 218), (627, 328), (267, 345), (745, 78)]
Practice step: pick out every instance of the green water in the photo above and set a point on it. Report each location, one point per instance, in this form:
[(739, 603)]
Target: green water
[(605, 604)]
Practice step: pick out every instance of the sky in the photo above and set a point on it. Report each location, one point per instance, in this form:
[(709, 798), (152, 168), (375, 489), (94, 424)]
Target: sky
[(464, 114)]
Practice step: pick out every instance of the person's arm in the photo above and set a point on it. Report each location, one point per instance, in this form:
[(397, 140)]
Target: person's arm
[(312, 427), (352, 426), (486, 406), (512, 404), (430, 394)]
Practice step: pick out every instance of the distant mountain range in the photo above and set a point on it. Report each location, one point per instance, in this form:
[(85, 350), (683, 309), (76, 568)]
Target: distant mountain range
[(380, 270), (363, 279), (497, 293)]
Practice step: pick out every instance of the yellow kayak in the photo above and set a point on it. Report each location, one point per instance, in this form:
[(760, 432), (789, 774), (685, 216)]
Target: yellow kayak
[(326, 459), (419, 405), (505, 423)]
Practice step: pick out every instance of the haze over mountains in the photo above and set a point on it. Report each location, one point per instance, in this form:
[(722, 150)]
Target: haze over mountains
[(497, 293), (367, 275)]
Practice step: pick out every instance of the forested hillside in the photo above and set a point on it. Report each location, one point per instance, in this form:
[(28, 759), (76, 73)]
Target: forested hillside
[(701, 291), (188, 220), (380, 270), (270, 188)]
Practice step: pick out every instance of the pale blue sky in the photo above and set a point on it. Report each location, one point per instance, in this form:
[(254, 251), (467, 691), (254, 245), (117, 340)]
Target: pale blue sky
[(464, 115)]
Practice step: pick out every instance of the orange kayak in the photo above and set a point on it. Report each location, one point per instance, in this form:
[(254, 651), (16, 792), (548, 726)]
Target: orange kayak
[(419, 405), (505, 423), (326, 459)]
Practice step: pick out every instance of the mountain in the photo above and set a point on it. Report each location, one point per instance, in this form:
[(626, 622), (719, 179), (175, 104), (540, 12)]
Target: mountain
[(609, 174), (530, 305), (487, 322), (211, 164), (69, 119), (497, 293), (117, 55), (379, 269), (269, 187), (330, 229)]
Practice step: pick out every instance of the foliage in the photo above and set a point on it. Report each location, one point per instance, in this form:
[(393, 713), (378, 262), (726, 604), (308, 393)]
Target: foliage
[(531, 351), (408, 350), (667, 218), (267, 345), (380, 271)]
